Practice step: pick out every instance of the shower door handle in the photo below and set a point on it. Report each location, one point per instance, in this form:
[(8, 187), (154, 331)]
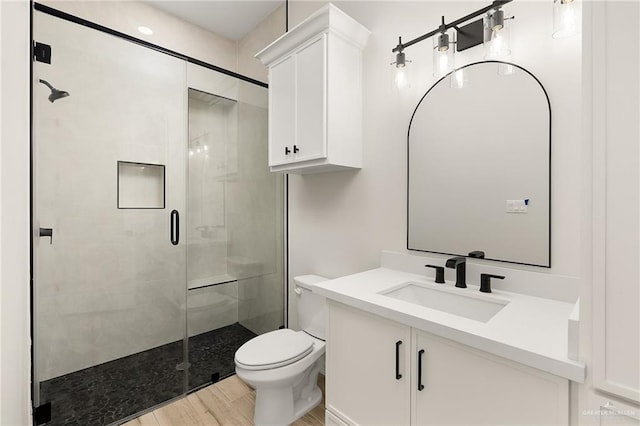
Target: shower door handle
[(175, 227)]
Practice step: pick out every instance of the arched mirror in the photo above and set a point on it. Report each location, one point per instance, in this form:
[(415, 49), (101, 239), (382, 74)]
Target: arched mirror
[(479, 166)]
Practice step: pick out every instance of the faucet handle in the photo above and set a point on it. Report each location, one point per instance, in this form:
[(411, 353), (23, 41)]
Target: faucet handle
[(476, 254), (439, 273), (485, 282)]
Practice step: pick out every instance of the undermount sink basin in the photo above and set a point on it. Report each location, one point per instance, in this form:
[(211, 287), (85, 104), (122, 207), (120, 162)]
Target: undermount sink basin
[(476, 307)]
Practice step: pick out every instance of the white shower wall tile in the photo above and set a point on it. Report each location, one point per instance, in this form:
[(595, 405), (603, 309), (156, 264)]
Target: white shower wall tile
[(210, 308), (260, 303), (255, 221), (211, 131)]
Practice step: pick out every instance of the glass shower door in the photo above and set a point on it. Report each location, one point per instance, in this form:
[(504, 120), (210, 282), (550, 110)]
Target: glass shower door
[(109, 199), (235, 224)]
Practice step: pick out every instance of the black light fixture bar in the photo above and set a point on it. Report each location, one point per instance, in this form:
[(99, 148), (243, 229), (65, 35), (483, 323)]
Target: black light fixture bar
[(496, 4)]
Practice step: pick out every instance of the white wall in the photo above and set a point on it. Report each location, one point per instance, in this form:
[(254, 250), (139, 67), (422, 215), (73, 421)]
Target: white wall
[(14, 213), (339, 222), (269, 29)]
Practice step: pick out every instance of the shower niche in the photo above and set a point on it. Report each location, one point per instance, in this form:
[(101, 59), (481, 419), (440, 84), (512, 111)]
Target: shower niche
[(140, 185)]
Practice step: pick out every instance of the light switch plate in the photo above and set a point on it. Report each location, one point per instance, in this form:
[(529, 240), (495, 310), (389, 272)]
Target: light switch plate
[(516, 206)]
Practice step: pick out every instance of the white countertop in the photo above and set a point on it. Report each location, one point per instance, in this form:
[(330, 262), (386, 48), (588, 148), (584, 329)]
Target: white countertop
[(529, 330)]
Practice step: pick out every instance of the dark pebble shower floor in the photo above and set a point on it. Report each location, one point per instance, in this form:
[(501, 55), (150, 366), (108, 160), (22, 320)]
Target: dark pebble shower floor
[(106, 393)]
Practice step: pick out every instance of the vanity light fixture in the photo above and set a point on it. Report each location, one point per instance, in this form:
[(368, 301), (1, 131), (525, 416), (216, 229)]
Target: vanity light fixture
[(466, 36), (401, 77), (443, 54), (496, 36), (566, 18)]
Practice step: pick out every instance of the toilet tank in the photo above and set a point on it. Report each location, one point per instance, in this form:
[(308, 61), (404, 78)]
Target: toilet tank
[(311, 306)]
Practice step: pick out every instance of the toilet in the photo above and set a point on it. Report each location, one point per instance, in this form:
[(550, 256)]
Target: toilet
[(283, 365)]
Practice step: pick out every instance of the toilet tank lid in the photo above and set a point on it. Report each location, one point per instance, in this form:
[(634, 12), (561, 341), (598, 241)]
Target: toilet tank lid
[(308, 281)]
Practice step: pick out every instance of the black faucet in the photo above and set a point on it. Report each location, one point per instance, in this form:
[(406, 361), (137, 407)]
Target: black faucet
[(460, 264), (439, 273)]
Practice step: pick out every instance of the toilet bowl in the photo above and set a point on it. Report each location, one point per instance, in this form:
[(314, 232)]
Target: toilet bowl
[(283, 365)]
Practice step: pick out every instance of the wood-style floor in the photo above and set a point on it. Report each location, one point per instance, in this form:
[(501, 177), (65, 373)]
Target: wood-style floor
[(228, 402)]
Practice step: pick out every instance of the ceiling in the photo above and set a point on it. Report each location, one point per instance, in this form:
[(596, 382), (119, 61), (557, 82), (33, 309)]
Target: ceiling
[(232, 19)]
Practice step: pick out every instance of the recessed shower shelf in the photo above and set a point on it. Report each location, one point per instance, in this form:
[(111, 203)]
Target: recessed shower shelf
[(140, 185)]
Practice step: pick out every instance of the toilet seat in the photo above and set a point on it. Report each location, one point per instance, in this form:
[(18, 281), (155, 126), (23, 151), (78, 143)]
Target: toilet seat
[(274, 349)]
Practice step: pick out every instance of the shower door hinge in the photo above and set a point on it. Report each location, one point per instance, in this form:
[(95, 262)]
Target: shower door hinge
[(42, 414), (42, 52)]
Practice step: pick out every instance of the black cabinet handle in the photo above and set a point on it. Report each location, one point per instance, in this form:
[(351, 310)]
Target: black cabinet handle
[(175, 227), (295, 149), (47, 232), (398, 375), (287, 151), (420, 385)]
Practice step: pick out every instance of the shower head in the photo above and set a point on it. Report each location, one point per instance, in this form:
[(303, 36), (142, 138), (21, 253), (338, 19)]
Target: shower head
[(55, 93)]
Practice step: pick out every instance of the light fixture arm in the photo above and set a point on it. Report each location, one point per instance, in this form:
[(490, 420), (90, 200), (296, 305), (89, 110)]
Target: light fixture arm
[(443, 27), (400, 47)]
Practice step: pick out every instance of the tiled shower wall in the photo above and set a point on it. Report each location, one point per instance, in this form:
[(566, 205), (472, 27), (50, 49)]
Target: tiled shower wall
[(255, 215), (111, 283), (241, 205), (212, 135)]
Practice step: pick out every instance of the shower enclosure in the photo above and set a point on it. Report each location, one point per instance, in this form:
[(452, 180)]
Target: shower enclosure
[(158, 229)]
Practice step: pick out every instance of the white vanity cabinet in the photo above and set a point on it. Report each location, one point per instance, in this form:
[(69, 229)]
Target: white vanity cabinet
[(361, 382), (315, 94), (462, 385)]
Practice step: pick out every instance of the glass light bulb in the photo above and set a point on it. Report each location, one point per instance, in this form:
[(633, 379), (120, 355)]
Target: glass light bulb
[(497, 48), (402, 78), (443, 64), (206, 148), (442, 55), (499, 44), (190, 152), (566, 18)]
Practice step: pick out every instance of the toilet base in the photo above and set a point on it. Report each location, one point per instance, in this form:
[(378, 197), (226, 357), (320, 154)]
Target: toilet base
[(279, 406), (284, 412)]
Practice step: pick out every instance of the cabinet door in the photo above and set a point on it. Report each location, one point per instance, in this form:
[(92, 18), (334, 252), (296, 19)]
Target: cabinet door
[(362, 387), (281, 110), (463, 386), (311, 112)]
